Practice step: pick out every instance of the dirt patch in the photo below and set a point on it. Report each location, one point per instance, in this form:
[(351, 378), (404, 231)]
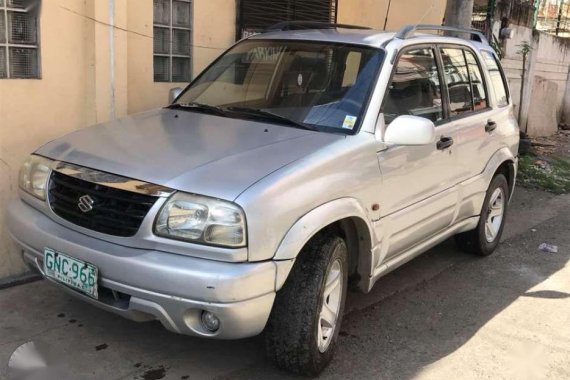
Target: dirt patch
[(154, 373), (547, 165)]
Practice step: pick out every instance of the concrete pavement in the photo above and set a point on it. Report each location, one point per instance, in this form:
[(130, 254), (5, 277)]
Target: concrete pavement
[(445, 315)]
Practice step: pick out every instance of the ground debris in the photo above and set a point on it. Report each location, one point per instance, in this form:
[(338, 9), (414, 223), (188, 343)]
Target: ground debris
[(548, 248)]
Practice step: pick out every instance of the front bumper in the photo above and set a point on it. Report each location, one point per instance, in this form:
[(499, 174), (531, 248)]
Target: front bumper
[(143, 285)]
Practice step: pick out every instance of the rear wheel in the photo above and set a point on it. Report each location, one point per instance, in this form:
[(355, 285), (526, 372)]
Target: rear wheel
[(305, 321), (486, 237)]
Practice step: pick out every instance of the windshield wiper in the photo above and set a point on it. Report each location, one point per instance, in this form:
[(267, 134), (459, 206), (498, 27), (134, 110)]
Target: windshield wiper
[(270, 116), (199, 107)]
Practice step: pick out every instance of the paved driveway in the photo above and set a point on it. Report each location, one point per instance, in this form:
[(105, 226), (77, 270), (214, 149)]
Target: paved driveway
[(445, 315)]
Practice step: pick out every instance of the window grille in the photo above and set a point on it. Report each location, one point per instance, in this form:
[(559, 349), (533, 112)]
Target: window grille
[(19, 41), (257, 15), (172, 40)]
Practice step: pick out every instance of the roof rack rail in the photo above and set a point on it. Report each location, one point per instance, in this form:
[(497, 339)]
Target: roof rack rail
[(408, 31), (304, 25)]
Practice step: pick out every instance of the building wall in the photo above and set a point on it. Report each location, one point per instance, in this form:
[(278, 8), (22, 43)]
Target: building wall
[(80, 87), (548, 60), (213, 32), (35, 111), (372, 13)]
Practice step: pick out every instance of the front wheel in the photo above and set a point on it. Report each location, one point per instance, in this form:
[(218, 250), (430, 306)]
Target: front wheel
[(486, 237), (305, 321)]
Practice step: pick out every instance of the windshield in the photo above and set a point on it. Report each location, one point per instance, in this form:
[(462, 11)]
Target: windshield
[(312, 84)]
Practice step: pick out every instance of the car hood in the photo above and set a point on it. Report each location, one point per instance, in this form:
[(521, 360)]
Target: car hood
[(188, 151)]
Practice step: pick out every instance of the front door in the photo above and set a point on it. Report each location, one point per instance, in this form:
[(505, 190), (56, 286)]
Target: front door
[(418, 193)]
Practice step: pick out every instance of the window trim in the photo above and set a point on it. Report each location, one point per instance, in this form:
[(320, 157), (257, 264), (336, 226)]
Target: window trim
[(444, 94), (171, 28), (445, 91), (503, 77), (7, 44), (484, 78)]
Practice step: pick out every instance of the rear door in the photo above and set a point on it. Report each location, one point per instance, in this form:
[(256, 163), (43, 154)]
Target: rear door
[(472, 117), (469, 107)]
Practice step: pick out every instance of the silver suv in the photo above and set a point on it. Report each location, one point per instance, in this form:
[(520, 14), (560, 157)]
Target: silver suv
[(302, 160)]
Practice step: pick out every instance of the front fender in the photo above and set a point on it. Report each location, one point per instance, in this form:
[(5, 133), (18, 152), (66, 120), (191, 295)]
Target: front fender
[(317, 219)]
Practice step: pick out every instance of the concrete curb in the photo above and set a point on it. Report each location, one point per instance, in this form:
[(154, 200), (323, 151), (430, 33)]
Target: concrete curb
[(21, 279)]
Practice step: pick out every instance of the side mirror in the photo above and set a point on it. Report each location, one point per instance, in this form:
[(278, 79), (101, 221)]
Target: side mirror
[(410, 130), (173, 94)]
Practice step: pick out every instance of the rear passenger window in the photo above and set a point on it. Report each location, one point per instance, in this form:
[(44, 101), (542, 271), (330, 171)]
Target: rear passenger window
[(415, 88), (477, 82), (498, 81), (457, 80)]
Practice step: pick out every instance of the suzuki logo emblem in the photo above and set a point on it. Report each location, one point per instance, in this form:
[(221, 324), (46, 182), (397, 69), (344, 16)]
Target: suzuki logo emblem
[(85, 203)]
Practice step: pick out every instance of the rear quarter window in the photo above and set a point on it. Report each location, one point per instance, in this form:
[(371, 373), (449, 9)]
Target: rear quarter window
[(498, 80)]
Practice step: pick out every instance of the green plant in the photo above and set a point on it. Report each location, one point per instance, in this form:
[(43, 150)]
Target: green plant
[(552, 174)]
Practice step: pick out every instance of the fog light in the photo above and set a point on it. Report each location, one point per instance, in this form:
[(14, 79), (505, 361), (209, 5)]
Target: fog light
[(210, 321)]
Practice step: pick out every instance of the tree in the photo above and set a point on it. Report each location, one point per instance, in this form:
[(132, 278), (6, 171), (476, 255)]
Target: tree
[(459, 13)]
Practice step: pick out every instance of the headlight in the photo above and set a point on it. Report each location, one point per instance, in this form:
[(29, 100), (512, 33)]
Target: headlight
[(34, 176), (203, 220)]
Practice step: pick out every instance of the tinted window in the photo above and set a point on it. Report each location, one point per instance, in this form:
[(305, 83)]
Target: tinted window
[(498, 82), (477, 82), (415, 89), (457, 80)]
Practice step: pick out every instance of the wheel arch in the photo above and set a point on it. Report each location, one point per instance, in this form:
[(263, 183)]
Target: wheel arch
[(343, 217), (507, 168), (503, 162)]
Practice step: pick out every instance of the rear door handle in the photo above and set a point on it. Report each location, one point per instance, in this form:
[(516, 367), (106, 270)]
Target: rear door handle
[(444, 143), (491, 126)]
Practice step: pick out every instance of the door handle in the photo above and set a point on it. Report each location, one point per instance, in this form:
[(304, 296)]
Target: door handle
[(491, 126), (444, 143)]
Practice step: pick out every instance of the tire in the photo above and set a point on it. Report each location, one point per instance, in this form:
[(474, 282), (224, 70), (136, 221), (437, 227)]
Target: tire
[(292, 333), (482, 241)]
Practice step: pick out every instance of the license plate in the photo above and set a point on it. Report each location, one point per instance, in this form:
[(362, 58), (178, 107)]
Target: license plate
[(71, 271)]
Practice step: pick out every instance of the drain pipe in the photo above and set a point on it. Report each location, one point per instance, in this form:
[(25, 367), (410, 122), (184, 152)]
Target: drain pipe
[(112, 113)]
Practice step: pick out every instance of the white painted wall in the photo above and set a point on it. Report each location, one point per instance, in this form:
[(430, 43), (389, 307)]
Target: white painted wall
[(549, 59)]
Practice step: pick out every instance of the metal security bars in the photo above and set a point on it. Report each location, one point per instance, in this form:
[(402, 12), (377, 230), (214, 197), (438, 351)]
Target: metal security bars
[(254, 16), (172, 40), (553, 16), (19, 40)]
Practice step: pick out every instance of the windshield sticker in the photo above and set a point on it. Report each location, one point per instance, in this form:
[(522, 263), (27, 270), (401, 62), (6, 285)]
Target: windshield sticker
[(349, 122)]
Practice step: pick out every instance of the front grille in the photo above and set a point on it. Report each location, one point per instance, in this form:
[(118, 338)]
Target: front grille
[(115, 212)]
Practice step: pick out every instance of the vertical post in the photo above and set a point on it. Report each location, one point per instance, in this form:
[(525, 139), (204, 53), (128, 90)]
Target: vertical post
[(561, 7), (536, 12), (459, 13), (112, 112), (490, 19), (523, 79)]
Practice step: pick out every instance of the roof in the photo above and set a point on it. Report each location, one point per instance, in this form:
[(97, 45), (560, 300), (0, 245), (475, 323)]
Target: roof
[(367, 37)]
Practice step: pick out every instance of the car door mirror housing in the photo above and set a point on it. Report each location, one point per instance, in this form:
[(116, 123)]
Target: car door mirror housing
[(410, 130), (174, 93)]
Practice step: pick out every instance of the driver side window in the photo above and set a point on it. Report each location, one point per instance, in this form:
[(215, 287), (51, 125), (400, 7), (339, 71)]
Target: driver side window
[(415, 89)]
